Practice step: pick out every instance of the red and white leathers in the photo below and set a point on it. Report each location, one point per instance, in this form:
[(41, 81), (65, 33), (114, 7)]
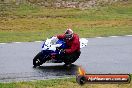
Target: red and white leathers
[(73, 44)]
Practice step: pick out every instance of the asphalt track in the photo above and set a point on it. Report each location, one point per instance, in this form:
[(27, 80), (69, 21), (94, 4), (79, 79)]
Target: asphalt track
[(101, 55)]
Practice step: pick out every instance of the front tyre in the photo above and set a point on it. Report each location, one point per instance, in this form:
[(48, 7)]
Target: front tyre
[(37, 61)]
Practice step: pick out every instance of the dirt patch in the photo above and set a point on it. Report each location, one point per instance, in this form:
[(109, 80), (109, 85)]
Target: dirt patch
[(81, 4)]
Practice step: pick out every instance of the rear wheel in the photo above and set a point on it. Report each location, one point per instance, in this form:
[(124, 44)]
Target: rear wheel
[(71, 58), (69, 61)]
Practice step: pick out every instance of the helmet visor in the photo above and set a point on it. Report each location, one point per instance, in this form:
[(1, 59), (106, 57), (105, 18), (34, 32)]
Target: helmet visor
[(68, 36)]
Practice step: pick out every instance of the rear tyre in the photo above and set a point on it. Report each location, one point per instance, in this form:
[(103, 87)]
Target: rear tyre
[(69, 61), (71, 58)]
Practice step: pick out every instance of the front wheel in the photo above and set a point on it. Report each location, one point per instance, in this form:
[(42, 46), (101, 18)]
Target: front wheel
[(38, 59)]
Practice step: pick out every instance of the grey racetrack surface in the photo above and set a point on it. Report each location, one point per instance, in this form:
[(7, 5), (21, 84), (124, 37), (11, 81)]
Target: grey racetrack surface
[(101, 55)]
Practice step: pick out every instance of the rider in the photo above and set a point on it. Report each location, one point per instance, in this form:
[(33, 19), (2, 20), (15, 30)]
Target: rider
[(71, 53)]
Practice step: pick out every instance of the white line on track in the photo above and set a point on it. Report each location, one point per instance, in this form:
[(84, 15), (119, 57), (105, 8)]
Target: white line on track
[(95, 37), (113, 36), (98, 37), (128, 35), (17, 42), (3, 43), (37, 41)]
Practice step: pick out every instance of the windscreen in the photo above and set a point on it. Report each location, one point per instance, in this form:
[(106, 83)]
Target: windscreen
[(53, 41)]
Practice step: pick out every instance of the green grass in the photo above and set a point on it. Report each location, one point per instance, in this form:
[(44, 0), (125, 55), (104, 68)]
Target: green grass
[(31, 23), (60, 83)]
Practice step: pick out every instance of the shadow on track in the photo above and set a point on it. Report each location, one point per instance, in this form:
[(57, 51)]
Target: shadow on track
[(58, 70)]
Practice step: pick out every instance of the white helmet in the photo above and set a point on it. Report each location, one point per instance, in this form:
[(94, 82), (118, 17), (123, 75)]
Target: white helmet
[(68, 34)]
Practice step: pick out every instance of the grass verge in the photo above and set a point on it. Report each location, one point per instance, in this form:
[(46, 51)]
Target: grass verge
[(60, 83), (31, 23)]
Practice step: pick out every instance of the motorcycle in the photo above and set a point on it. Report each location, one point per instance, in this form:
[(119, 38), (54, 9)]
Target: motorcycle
[(51, 48)]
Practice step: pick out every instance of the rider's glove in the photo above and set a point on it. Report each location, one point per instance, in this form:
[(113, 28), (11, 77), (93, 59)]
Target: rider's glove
[(58, 48), (62, 51)]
